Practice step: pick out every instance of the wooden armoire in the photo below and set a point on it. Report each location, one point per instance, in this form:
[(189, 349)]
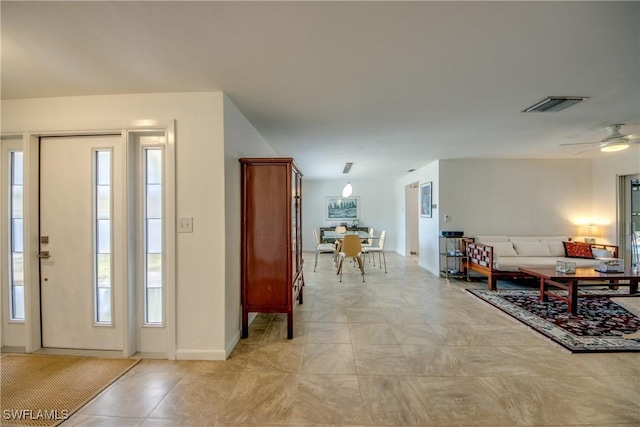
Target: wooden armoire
[(271, 251)]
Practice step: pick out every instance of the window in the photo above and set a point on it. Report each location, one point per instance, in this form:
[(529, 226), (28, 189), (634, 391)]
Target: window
[(102, 232), (153, 238), (16, 261)]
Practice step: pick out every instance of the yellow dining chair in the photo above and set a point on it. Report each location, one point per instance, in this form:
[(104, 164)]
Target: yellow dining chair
[(351, 248), (321, 247)]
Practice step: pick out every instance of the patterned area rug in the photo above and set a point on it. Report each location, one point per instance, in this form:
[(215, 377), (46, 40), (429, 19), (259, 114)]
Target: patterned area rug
[(600, 325), (39, 390)]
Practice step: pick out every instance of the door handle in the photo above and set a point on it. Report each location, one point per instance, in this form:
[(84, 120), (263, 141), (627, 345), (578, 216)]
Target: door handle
[(44, 255)]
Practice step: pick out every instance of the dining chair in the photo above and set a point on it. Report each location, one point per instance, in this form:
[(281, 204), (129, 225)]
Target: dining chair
[(368, 242), (379, 249), (341, 229), (351, 248), (321, 247)]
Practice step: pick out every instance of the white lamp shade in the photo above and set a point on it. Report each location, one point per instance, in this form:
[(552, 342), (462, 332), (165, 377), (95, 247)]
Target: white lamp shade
[(347, 190)]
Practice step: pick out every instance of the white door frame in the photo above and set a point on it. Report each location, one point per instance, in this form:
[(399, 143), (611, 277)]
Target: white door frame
[(129, 131)]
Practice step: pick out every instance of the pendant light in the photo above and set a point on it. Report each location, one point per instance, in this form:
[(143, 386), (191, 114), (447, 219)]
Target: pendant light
[(347, 190)]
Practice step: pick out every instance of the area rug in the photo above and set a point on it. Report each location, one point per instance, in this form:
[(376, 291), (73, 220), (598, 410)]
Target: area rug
[(600, 325), (39, 390)]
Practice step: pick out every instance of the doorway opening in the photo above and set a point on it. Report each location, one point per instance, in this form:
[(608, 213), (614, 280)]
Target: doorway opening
[(412, 233)]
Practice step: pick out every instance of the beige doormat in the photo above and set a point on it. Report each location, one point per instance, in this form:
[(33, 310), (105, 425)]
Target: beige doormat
[(39, 390)]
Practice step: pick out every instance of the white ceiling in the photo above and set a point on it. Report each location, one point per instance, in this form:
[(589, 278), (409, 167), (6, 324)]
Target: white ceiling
[(390, 86)]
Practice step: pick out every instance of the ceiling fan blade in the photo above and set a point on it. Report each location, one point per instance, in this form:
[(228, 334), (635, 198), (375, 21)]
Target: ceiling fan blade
[(633, 137), (580, 143), (583, 151)]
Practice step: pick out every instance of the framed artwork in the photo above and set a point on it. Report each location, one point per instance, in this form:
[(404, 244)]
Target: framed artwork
[(342, 208), (425, 200)]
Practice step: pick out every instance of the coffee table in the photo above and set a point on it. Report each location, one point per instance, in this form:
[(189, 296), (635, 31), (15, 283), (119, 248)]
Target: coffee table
[(549, 277)]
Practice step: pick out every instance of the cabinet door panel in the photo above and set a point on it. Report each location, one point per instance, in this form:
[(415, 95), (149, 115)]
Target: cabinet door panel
[(267, 244)]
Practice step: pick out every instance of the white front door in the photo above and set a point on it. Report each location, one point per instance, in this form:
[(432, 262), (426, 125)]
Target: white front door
[(82, 230)]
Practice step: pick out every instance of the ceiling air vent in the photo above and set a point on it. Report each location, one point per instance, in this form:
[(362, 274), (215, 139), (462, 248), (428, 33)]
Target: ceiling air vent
[(347, 167), (554, 103)]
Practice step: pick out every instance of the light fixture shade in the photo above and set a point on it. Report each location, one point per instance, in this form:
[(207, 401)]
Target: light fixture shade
[(590, 232), (347, 190), (620, 144)]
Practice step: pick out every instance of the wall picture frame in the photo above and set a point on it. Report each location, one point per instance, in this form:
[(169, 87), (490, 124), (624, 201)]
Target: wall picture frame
[(342, 208), (425, 200)]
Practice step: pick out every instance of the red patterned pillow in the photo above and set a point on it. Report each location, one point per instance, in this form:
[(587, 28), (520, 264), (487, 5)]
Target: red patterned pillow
[(577, 250)]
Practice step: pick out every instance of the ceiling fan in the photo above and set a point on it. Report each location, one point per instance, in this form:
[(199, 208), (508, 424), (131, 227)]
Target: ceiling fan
[(616, 141)]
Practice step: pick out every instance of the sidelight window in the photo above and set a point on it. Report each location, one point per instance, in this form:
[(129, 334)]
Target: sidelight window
[(153, 236), (16, 237), (102, 232)]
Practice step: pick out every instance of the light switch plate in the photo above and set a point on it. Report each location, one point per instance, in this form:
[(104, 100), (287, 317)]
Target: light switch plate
[(185, 225)]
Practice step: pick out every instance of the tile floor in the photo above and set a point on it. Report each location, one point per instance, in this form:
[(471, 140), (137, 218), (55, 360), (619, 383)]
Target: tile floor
[(404, 348)]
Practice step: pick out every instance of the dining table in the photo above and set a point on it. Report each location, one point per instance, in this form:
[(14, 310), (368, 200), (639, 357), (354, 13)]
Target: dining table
[(334, 235)]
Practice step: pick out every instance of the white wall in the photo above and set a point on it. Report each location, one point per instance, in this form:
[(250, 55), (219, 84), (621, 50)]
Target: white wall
[(606, 171), (240, 140), (427, 227), (515, 197), (377, 200), (200, 194)]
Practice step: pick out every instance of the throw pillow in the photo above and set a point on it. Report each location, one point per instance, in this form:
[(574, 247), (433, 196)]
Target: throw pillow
[(601, 253), (555, 248), (577, 250), (531, 249)]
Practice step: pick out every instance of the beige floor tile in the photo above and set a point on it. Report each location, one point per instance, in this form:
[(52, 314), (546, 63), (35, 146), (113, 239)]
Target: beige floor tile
[(365, 314), (189, 422), (101, 421), (372, 333), (461, 401), (148, 387), (197, 396), (403, 348), (381, 360), (322, 358), (430, 360), (328, 313), (261, 398), (392, 400), (277, 357), (328, 399), (417, 334), (337, 333)]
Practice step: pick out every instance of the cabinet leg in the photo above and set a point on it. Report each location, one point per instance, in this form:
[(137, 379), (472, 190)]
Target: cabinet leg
[(245, 323), (289, 325)]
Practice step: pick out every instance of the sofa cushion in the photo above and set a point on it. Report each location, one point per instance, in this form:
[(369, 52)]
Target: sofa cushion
[(502, 248), (528, 248), (538, 238), (577, 250), (555, 248), (486, 239), (601, 253), (516, 262)]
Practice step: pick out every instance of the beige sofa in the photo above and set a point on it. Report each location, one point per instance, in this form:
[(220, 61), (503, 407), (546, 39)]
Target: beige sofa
[(500, 257)]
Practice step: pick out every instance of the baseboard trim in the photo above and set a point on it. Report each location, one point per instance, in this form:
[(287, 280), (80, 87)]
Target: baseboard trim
[(232, 344), (430, 270)]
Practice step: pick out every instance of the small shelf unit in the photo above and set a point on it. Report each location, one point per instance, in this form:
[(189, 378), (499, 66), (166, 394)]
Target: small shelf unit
[(453, 258)]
